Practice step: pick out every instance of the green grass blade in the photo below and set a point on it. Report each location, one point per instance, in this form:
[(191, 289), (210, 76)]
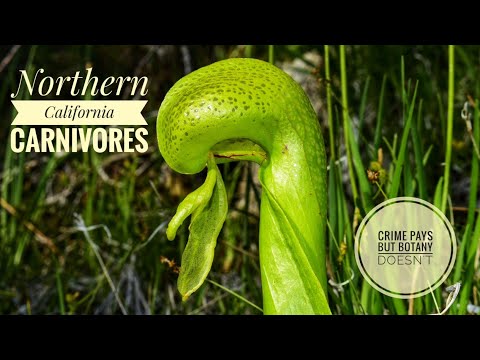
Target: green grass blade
[(448, 143), (379, 125), (402, 152), (346, 119), (361, 113), (437, 198), (231, 292), (271, 54), (474, 175), (331, 128), (61, 301), (417, 148), (360, 169)]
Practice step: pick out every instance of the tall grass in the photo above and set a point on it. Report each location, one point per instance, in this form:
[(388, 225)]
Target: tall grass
[(407, 177)]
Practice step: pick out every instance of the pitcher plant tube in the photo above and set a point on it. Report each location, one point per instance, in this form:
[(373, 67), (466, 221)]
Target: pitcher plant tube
[(248, 109)]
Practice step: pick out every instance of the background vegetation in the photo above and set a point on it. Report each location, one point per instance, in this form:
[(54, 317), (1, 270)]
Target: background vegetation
[(83, 233)]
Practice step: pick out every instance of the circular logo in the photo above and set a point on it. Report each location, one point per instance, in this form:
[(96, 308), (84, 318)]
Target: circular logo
[(405, 247)]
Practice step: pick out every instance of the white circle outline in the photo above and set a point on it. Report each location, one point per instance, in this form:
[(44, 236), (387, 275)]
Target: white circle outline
[(437, 212)]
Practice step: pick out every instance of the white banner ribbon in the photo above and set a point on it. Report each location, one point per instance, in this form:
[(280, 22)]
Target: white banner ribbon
[(79, 112)]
